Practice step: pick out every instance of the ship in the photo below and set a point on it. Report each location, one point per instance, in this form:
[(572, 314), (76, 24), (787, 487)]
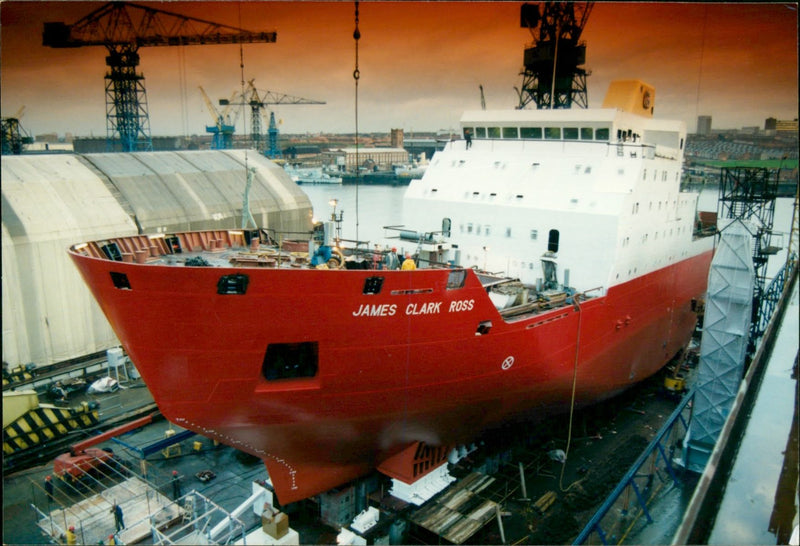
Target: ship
[(555, 263), (314, 175)]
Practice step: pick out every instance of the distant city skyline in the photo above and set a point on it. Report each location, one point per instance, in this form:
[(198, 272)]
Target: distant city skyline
[(421, 63)]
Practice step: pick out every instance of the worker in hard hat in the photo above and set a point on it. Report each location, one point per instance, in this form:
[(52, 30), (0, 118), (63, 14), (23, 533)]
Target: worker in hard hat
[(48, 488), (176, 485), (390, 260), (408, 263), (119, 522), (72, 538)]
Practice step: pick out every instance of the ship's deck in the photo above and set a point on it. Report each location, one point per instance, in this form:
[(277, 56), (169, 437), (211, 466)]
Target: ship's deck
[(255, 249)]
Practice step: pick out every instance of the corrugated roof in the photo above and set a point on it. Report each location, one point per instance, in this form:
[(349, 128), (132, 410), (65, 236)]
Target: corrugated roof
[(50, 202)]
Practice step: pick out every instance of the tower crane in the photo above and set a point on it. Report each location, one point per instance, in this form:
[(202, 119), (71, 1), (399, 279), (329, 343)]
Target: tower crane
[(553, 76), (13, 135), (223, 127), (257, 100), (122, 28)]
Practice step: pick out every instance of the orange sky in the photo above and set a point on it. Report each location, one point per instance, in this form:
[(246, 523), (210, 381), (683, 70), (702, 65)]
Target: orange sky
[(421, 63)]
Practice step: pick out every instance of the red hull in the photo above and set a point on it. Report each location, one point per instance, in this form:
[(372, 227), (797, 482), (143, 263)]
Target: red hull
[(408, 367)]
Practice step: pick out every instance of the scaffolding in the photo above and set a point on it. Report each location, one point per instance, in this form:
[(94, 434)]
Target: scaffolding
[(748, 194), (88, 504), (724, 345)]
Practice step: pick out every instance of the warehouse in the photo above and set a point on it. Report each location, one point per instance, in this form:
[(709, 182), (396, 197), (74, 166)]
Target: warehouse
[(52, 201)]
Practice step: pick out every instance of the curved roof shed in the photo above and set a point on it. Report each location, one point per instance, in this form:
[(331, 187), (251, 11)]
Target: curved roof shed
[(50, 202)]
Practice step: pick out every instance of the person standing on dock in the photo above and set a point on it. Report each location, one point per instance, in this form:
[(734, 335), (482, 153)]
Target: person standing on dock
[(48, 488), (118, 521), (468, 138), (176, 485)]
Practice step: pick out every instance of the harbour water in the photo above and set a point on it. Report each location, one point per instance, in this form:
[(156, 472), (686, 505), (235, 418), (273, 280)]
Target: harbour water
[(366, 209)]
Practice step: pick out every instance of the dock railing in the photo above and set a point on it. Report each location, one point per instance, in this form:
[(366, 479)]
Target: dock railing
[(654, 469), (641, 477)]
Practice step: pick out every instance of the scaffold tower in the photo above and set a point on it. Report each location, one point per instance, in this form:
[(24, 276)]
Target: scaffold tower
[(748, 194)]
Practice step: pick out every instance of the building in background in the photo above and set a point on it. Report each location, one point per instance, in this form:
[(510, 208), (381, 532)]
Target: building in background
[(704, 125)]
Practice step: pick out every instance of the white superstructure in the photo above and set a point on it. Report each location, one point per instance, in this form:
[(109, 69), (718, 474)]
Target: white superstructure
[(597, 187)]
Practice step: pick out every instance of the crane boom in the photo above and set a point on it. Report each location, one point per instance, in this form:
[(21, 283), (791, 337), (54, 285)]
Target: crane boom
[(124, 27), (134, 24), (257, 100), (210, 105)]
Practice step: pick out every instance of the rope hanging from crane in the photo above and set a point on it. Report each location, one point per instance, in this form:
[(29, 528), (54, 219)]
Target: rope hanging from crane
[(356, 76)]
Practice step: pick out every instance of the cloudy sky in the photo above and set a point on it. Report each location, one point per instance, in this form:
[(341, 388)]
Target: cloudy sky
[(421, 63)]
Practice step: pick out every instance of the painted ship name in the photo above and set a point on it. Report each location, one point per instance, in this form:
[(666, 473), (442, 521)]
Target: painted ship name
[(429, 308)]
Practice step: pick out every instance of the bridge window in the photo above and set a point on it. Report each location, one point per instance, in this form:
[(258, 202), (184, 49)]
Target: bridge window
[(552, 133), (587, 133), (552, 241), (510, 132), (601, 134), (493, 132), (570, 133), (531, 132), (480, 132)]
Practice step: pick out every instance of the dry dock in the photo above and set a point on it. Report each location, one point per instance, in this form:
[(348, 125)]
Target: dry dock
[(509, 490)]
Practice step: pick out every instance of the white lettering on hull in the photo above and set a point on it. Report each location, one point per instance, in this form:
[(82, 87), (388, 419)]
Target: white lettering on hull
[(412, 309), (384, 310)]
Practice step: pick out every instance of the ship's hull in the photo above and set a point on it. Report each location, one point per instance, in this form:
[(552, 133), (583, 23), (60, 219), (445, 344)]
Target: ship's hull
[(415, 362)]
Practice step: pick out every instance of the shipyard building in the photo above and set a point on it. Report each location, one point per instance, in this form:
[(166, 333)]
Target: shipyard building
[(50, 202)]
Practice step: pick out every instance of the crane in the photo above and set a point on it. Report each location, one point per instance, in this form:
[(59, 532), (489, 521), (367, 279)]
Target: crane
[(122, 28), (223, 127), (552, 75), (13, 134), (257, 100)]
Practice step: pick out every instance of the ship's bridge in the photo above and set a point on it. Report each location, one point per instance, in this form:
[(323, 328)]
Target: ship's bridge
[(582, 184), (600, 125)]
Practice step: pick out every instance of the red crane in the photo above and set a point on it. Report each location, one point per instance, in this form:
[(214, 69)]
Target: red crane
[(83, 457)]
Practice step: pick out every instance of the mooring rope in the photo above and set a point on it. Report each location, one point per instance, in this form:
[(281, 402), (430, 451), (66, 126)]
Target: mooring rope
[(577, 305)]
